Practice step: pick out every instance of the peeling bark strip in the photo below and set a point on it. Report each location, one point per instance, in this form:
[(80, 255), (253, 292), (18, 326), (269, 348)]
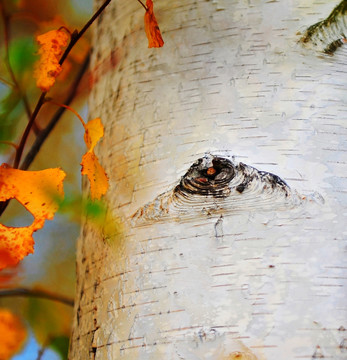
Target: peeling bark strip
[(215, 185), (329, 34)]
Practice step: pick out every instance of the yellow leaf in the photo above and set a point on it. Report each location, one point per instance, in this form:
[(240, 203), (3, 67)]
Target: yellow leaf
[(91, 167), (152, 28), (96, 175), (38, 192), (12, 333), (94, 131), (48, 67)]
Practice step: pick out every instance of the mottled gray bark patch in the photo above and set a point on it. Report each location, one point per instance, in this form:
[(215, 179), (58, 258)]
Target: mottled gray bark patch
[(329, 34)]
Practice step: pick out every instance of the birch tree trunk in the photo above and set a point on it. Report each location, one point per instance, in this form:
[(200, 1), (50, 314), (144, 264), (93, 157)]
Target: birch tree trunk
[(226, 261)]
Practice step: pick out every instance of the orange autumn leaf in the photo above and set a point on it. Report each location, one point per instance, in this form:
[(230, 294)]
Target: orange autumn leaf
[(12, 333), (151, 27), (91, 167), (94, 131), (38, 192), (48, 67), (96, 175)]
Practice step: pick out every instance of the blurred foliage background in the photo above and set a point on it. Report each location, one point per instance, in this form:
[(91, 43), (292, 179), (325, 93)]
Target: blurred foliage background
[(52, 266)]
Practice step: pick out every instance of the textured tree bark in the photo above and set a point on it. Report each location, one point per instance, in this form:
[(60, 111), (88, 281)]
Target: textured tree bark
[(216, 260)]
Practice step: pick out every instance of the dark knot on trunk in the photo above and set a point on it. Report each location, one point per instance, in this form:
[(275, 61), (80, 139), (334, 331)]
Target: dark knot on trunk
[(218, 185), (209, 177)]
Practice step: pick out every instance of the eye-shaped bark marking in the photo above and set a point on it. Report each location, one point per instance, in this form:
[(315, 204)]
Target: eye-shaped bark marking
[(217, 185), (329, 34), (207, 178)]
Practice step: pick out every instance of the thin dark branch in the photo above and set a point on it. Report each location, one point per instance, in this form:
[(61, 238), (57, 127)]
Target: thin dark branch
[(75, 36), (23, 292), (27, 130), (41, 352), (143, 4), (57, 116)]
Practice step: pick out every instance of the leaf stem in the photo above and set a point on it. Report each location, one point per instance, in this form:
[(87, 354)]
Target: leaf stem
[(9, 143), (69, 108), (143, 5), (43, 294)]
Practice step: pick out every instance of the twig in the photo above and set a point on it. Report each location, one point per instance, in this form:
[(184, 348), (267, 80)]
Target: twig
[(70, 109), (143, 5), (57, 116), (43, 294), (10, 143), (75, 36), (40, 352), (27, 130)]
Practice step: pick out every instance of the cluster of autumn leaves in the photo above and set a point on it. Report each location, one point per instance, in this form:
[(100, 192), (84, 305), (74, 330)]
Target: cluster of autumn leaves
[(40, 192)]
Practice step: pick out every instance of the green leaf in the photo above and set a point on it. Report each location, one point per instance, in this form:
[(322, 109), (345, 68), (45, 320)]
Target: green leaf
[(48, 319), (22, 55), (95, 209), (10, 111), (73, 205), (60, 345)]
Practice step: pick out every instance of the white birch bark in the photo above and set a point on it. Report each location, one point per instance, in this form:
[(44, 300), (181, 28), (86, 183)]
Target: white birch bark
[(243, 277)]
